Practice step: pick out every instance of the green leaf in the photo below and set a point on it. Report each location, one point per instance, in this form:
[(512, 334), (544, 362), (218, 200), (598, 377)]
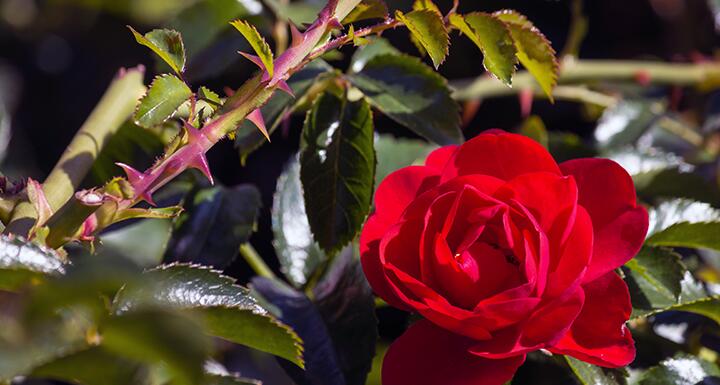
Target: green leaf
[(23, 263), (657, 273), (412, 94), (337, 168), (367, 9), (143, 242), (228, 310), (217, 220), (298, 253), (533, 50), (674, 211), (676, 182), (428, 28), (625, 122), (588, 374), (493, 38), (395, 153), (165, 95), (92, 366), (682, 369), (377, 46), (425, 4), (257, 42), (534, 128), (167, 44), (701, 235)]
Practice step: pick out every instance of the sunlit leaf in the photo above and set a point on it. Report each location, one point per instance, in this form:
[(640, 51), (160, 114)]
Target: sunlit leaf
[(674, 211), (533, 50), (167, 44), (411, 93), (657, 273), (588, 374), (367, 9), (493, 38), (428, 28), (625, 122), (425, 4), (227, 310), (700, 235), (257, 42), (165, 95), (682, 369), (23, 263), (377, 46)]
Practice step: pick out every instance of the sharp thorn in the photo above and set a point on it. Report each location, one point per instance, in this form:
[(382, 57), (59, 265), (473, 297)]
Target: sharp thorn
[(283, 86), (255, 59), (200, 162), (133, 175), (297, 36), (257, 119)]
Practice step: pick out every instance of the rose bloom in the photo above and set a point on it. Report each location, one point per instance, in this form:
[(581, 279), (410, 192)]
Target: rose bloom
[(503, 252)]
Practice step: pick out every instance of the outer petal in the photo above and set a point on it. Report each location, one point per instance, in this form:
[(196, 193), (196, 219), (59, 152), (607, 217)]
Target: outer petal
[(439, 158), (400, 188), (429, 355), (599, 335), (501, 155), (620, 225)]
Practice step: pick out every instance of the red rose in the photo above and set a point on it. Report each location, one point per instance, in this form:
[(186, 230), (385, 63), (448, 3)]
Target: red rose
[(503, 252)]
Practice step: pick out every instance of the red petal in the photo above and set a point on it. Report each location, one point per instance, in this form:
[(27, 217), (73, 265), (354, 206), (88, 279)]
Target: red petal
[(608, 194), (429, 355), (567, 269), (599, 335), (440, 157), (501, 155), (400, 188)]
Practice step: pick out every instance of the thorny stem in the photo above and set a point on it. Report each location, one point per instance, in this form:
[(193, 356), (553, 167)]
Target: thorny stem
[(111, 112)]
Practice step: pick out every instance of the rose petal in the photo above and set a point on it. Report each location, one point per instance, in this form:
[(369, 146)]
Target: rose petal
[(429, 355), (599, 335), (567, 269), (400, 188), (501, 155), (607, 192), (439, 158)]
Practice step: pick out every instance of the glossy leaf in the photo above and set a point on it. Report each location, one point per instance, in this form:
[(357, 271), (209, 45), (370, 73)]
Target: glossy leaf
[(216, 221), (625, 122), (657, 273), (165, 95), (395, 153), (493, 38), (682, 369), (367, 9), (701, 235), (298, 253), (228, 310), (23, 263), (257, 42), (533, 50), (144, 242), (167, 44), (588, 374), (674, 211), (279, 107), (428, 29), (376, 47), (412, 94), (337, 169)]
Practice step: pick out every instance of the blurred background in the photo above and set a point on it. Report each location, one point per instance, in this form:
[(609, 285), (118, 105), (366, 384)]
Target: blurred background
[(58, 56)]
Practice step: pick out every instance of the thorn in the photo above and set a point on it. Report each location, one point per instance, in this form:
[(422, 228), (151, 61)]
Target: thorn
[(297, 36), (133, 175), (283, 86), (526, 99), (255, 59), (334, 23), (257, 119), (200, 162), (146, 196)]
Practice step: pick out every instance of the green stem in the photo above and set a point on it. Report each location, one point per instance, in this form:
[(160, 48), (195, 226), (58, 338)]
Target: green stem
[(255, 261), (703, 76), (111, 112)]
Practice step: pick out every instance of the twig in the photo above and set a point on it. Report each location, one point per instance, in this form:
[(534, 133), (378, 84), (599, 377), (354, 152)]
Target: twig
[(255, 261)]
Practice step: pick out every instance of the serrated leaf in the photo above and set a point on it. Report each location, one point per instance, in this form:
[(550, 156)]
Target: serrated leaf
[(367, 9), (701, 235), (588, 374), (216, 221), (209, 95), (337, 168), (682, 369), (533, 50), (493, 38), (395, 153), (23, 262), (165, 95), (257, 42), (428, 28), (377, 46), (298, 253), (655, 276), (412, 94), (425, 4), (228, 310), (167, 44)]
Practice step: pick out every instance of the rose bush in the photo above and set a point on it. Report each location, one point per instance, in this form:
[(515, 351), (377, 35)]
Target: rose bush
[(503, 252)]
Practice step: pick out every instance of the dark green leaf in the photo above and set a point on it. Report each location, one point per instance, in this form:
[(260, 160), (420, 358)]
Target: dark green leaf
[(655, 276), (216, 221), (337, 169), (377, 46), (248, 138), (533, 50), (676, 183), (395, 153), (701, 235), (228, 310), (23, 263), (144, 242), (297, 252), (167, 44), (428, 29), (367, 9), (588, 374), (681, 370), (93, 366), (493, 38), (412, 94), (165, 95)]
